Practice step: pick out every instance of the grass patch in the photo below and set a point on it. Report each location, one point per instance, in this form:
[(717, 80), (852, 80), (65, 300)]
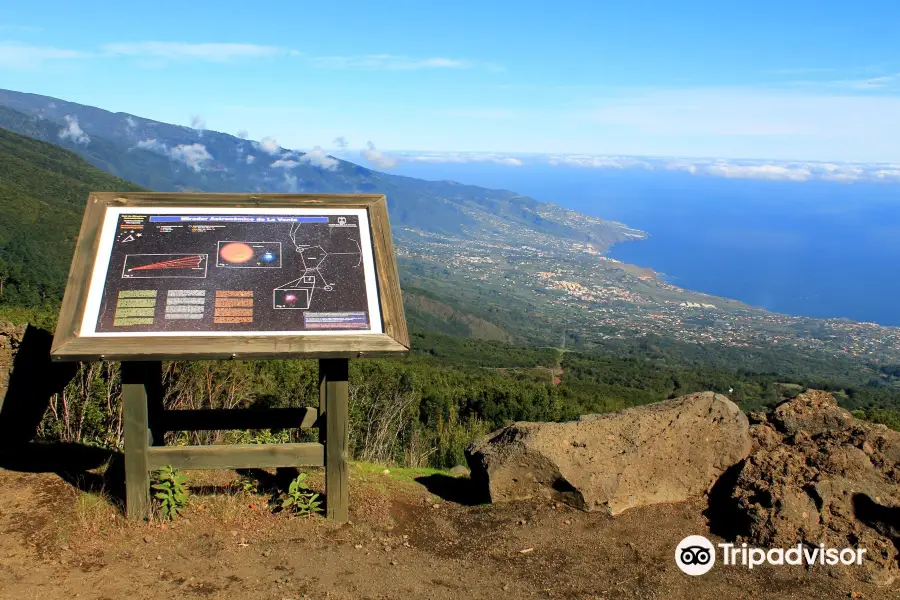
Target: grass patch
[(94, 511), (365, 470)]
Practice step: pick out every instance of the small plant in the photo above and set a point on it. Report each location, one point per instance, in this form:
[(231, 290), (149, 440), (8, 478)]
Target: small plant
[(248, 484), (264, 436), (170, 489), (300, 499)]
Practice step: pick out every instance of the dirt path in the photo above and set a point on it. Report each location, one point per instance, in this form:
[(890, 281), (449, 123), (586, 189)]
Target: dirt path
[(403, 542)]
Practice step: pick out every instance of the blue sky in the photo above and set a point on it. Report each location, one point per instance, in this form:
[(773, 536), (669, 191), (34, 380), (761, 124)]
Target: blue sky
[(774, 80)]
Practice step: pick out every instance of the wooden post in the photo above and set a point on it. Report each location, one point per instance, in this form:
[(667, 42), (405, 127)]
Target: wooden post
[(137, 384), (334, 391)]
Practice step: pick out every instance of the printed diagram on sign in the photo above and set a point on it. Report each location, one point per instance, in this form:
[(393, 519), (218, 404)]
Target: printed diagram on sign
[(298, 293), (127, 235), (159, 266), (249, 255)]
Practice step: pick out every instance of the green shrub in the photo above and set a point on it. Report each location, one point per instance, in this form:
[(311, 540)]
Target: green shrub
[(170, 489), (300, 499)]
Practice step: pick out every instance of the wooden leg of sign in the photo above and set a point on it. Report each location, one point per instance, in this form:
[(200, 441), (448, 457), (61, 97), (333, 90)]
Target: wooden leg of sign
[(334, 391), (135, 387)]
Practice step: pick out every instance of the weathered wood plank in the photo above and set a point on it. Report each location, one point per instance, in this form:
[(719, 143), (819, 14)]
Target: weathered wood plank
[(87, 349), (391, 301), (68, 325), (337, 438), (237, 456), (135, 381), (239, 418), (176, 199)]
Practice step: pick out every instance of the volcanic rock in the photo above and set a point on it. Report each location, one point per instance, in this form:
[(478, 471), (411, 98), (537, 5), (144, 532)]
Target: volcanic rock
[(818, 476), (664, 452)]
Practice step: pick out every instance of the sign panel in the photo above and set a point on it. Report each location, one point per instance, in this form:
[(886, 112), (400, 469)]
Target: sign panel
[(229, 271), (160, 276)]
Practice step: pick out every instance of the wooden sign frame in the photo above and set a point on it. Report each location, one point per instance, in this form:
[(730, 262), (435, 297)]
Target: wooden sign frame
[(69, 345)]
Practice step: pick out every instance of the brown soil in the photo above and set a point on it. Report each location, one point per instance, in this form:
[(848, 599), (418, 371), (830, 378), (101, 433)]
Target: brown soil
[(58, 542)]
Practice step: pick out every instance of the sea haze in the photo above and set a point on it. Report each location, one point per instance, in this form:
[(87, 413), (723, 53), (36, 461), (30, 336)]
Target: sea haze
[(813, 248)]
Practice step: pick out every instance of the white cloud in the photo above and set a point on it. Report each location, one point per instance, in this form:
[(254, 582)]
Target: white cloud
[(130, 123), (19, 55), (283, 163), (192, 155), (269, 145), (377, 158), (242, 133), (777, 172), (317, 158), (598, 162), (739, 169), (250, 159), (387, 62), (834, 172), (509, 161), (198, 123), (14, 55), (153, 146), (461, 157), (185, 51), (682, 166), (340, 142), (73, 132)]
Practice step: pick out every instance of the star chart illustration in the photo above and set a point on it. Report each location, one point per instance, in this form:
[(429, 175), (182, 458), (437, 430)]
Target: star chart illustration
[(228, 272), (297, 294)]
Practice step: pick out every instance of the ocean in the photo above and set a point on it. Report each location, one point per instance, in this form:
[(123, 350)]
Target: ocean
[(813, 248)]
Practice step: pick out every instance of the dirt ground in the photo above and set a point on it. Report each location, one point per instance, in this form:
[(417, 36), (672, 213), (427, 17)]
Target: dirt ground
[(411, 536)]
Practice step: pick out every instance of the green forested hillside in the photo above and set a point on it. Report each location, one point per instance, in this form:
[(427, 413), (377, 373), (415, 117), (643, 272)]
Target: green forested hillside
[(43, 189)]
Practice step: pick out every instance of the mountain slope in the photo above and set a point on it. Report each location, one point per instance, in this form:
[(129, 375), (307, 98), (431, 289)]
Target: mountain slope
[(43, 190), (167, 157)]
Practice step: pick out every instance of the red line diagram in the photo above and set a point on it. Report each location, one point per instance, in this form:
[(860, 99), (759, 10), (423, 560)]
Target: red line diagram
[(185, 262)]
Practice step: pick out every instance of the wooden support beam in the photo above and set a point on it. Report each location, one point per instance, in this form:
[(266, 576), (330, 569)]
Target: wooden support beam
[(237, 456), (334, 391), (239, 418), (136, 384)]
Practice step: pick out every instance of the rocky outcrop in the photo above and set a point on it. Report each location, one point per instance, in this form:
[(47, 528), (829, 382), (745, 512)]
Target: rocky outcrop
[(818, 475), (664, 452)]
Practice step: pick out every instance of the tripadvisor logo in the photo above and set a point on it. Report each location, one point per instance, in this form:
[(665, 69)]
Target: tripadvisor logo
[(696, 555)]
